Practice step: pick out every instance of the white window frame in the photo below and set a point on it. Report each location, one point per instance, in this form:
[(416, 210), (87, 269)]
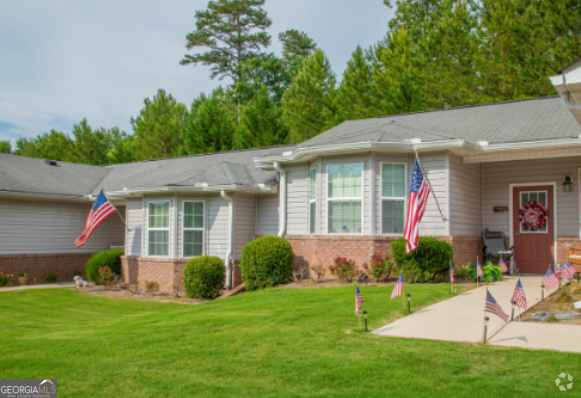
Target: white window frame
[(313, 200), (203, 228), (382, 198), (361, 198), (168, 229), (526, 231)]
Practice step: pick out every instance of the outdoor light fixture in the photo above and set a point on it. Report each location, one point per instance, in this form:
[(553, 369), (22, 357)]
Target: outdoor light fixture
[(567, 184), (364, 278), (512, 316), (409, 303), (365, 313), (486, 320)]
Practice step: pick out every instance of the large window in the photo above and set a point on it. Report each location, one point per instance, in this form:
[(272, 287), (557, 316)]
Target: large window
[(313, 202), (393, 198), (158, 229), (193, 229), (344, 198)]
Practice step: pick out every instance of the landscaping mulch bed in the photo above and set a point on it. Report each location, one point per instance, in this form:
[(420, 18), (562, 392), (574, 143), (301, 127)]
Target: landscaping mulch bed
[(117, 292), (560, 301)]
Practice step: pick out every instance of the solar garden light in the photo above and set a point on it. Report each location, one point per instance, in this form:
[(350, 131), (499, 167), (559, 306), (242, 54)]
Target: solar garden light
[(542, 292), (409, 303), (455, 290), (364, 278), (486, 320), (512, 316), (365, 313)]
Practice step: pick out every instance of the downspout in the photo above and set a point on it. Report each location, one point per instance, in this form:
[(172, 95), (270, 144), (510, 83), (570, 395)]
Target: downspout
[(569, 104), (282, 199), (227, 259)]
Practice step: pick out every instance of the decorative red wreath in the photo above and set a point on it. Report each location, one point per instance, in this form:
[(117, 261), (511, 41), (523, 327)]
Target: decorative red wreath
[(533, 215)]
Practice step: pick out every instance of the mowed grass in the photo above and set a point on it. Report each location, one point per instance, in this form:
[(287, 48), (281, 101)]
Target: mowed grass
[(272, 343)]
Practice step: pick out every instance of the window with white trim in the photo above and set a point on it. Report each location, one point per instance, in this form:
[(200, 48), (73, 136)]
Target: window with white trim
[(193, 229), (158, 229), (313, 201), (393, 190), (344, 198)]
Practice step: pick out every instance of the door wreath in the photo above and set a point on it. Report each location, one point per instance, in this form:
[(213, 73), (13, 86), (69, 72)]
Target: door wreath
[(533, 215)]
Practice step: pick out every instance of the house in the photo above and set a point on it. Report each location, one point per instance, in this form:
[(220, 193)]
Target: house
[(343, 192)]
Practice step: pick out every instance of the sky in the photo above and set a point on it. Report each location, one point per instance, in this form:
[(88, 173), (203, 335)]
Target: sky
[(65, 60)]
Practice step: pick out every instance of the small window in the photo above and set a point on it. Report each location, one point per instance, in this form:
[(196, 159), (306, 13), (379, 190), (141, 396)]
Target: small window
[(344, 201), (158, 229), (193, 229), (393, 191), (313, 202)]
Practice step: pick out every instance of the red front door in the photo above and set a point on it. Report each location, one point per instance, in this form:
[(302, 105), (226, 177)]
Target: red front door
[(533, 241)]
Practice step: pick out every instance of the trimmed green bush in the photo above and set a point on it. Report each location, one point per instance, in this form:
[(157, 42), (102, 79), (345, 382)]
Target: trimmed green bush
[(491, 272), (204, 277), (431, 257), (266, 261), (111, 258)]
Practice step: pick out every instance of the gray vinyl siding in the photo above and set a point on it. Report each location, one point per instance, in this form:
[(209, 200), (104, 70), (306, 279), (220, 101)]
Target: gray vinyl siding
[(41, 228), (498, 176), (245, 222), (267, 215), (435, 166), (297, 199), (134, 216), (465, 197), (217, 211)]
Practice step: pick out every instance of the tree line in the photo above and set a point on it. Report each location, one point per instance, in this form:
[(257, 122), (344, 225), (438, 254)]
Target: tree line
[(436, 54)]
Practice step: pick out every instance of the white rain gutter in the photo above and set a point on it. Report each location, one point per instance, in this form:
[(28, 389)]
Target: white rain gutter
[(282, 199), (569, 104), (227, 259), (138, 191)]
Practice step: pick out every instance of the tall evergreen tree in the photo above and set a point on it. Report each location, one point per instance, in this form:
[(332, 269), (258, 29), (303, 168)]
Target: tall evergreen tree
[(5, 147), (296, 44), (264, 70), (233, 31), (159, 127), (90, 146), (308, 105), (123, 147), (54, 145)]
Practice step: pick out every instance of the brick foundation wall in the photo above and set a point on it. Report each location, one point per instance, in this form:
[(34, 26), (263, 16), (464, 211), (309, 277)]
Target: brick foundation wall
[(40, 265), (466, 249), (564, 244), (168, 272)]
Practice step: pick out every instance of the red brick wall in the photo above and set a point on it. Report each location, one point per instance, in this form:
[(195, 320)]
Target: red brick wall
[(39, 265), (466, 249)]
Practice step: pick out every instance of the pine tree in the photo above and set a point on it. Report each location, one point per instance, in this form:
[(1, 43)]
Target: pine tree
[(295, 44), (229, 29), (159, 127), (264, 70), (308, 105), (54, 145), (90, 146)]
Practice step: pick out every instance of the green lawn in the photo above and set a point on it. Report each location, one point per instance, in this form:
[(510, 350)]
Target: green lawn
[(276, 343)]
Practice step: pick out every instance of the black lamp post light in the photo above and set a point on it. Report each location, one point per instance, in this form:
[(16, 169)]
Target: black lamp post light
[(365, 313), (486, 320), (542, 292), (409, 303)]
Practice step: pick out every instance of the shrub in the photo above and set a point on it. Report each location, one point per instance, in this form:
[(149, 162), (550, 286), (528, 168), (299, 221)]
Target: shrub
[(266, 261), (4, 278), (106, 276), (381, 266), (320, 272), (204, 277), (344, 269), (464, 272), (110, 258), (51, 277), (431, 255), (491, 272)]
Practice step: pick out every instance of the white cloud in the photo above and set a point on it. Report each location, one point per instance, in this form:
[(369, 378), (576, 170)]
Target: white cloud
[(64, 60)]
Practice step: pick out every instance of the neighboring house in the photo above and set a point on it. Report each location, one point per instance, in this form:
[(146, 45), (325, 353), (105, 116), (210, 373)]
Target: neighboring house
[(342, 193)]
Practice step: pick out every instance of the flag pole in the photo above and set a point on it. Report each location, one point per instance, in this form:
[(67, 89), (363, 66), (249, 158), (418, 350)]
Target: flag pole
[(430, 185), (120, 216), (477, 273), (484, 324), (517, 305)]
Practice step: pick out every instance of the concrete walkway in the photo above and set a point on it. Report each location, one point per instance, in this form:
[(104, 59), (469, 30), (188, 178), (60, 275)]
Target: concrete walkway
[(41, 286), (461, 318)]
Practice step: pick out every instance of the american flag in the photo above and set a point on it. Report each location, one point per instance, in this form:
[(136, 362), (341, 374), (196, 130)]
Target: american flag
[(559, 270), (452, 274), (99, 212), (502, 264), (398, 289), (479, 271), (358, 300), (569, 271), (494, 308), (419, 192), (550, 280), (518, 297)]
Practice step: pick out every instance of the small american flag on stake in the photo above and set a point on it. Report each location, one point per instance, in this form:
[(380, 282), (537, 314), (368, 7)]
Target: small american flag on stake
[(479, 271), (99, 212), (518, 297), (550, 280), (419, 192), (452, 274), (503, 266), (398, 289), (494, 308), (569, 271), (358, 300)]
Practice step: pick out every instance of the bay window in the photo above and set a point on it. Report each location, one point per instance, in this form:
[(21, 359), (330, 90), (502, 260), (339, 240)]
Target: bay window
[(345, 198), (393, 198), (158, 229), (193, 229)]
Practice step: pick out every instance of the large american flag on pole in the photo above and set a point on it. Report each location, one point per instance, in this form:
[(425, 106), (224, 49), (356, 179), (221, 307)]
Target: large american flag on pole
[(419, 192), (550, 280), (494, 308), (358, 300), (398, 289), (518, 297), (99, 212)]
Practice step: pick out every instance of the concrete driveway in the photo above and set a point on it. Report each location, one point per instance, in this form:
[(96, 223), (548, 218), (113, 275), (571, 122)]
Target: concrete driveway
[(461, 318)]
